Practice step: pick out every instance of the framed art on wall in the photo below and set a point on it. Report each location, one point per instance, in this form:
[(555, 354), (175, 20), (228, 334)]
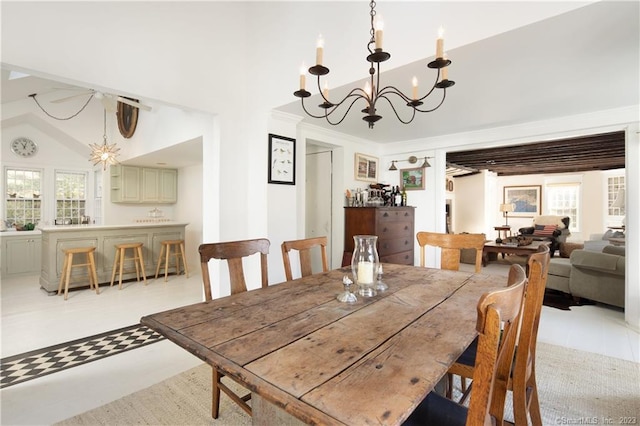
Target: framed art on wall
[(412, 179), (526, 200), (282, 160), (366, 168)]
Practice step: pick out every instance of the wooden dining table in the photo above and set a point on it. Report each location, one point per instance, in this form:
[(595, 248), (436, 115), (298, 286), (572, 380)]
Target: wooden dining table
[(308, 358)]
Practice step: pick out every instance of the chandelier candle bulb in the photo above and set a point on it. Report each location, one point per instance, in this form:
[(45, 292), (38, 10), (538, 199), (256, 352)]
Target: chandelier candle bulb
[(325, 91), (302, 77), (440, 43), (414, 82), (445, 73), (379, 28), (319, 49)]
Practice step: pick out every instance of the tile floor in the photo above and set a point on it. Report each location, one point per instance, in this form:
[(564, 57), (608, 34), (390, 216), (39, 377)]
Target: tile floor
[(31, 320)]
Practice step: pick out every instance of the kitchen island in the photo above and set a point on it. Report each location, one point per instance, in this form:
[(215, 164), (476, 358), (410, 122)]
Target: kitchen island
[(104, 238)]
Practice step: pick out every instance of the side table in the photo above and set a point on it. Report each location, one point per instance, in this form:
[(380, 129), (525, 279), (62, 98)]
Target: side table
[(504, 228)]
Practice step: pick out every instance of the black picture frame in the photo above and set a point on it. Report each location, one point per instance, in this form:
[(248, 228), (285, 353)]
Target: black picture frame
[(282, 160)]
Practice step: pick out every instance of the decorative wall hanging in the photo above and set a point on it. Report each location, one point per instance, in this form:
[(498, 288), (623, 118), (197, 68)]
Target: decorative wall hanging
[(526, 200), (412, 179), (366, 168), (282, 160), (127, 118)]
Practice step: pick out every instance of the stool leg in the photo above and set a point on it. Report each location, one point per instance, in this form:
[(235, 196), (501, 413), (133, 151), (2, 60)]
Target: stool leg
[(159, 260), (141, 261), (92, 271), (62, 273), (184, 260), (122, 258), (115, 264), (166, 262), (68, 275), (136, 263)]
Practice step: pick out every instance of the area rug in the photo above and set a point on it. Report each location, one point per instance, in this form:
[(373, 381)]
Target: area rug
[(575, 387)]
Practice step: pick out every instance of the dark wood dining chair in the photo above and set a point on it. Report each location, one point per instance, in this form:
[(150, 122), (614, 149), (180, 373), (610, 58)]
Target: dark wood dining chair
[(497, 325), (451, 244), (304, 248), (233, 252), (522, 380)]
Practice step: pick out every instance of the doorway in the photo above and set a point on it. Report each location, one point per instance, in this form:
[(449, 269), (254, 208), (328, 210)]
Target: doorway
[(318, 202)]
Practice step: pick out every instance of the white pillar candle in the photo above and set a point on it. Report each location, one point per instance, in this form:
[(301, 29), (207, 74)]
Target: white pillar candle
[(365, 272)]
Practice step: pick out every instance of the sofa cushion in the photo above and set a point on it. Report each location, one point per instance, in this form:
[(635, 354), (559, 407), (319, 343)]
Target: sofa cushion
[(611, 249), (560, 266), (604, 262), (567, 248)]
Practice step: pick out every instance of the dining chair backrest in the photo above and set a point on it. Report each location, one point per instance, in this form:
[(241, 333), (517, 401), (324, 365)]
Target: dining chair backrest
[(523, 381), (497, 325), (451, 245), (233, 252), (304, 248)]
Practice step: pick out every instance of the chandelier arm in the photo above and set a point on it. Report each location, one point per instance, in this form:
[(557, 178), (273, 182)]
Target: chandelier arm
[(388, 90), (352, 93), (432, 87), (33, 96), (344, 115), (413, 114), (444, 95)]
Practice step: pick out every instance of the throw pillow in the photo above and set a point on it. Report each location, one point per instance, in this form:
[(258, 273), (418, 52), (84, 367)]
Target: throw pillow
[(567, 248), (544, 230)]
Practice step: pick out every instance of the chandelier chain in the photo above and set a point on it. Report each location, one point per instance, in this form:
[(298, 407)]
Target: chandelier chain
[(61, 118)]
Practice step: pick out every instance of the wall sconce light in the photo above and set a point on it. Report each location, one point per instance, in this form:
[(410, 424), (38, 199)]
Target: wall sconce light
[(412, 160)]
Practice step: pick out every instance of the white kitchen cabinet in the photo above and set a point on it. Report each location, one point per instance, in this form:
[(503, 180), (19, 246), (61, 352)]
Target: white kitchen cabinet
[(159, 185), (140, 185), (21, 254)]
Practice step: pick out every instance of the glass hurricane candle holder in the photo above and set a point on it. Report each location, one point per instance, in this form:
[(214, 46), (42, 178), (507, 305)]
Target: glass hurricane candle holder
[(365, 264)]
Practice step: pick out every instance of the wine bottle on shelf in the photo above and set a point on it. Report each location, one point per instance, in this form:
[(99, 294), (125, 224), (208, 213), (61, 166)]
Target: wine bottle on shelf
[(392, 197), (404, 197), (398, 196)]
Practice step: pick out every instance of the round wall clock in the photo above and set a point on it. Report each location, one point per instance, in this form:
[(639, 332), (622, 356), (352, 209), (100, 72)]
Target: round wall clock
[(24, 147), (127, 118)]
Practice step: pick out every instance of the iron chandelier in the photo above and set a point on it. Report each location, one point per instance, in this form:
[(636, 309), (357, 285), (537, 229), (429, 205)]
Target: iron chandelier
[(373, 91)]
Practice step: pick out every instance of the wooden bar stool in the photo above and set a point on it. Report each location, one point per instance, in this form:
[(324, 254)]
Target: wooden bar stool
[(68, 265), (121, 257), (165, 254)]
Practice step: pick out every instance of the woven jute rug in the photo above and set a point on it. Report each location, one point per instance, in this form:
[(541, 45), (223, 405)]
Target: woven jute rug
[(575, 387)]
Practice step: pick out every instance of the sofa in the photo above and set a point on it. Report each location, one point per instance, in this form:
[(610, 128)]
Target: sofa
[(554, 229), (589, 273)]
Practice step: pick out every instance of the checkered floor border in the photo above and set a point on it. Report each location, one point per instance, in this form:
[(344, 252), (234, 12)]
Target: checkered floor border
[(31, 365)]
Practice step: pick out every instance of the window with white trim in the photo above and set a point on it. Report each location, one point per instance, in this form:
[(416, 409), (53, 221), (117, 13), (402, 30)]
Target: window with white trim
[(71, 195), (563, 199), (614, 185), (23, 199)]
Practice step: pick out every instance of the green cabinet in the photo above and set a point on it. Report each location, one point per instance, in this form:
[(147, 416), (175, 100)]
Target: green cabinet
[(21, 254), (140, 185)]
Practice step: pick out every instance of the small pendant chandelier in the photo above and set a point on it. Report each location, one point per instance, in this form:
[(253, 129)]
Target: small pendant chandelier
[(373, 91), (105, 153)]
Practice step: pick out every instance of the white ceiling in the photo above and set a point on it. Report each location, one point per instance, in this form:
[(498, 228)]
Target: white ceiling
[(583, 60)]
